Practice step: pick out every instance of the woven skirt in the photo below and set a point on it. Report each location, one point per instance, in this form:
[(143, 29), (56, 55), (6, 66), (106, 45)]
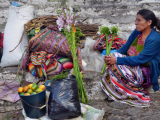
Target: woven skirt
[(127, 84)]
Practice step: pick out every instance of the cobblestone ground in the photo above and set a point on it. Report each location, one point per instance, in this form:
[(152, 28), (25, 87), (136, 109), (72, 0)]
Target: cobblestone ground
[(97, 98)]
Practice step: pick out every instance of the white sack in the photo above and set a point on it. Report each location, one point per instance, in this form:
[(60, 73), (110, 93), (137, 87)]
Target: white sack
[(14, 28)]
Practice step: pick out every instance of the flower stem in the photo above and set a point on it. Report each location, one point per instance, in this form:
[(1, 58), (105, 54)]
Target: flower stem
[(82, 93)]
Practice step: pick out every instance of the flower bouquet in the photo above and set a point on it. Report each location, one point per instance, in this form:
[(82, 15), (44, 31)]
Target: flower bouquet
[(66, 24)]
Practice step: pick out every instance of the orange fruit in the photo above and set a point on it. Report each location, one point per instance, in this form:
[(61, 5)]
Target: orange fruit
[(42, 87), (30, 86), (39, 90), (25, 89), (27, 94), (20, 89)]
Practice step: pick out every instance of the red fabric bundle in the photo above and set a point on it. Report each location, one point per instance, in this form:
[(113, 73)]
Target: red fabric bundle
[(101, 43), (1, 39)]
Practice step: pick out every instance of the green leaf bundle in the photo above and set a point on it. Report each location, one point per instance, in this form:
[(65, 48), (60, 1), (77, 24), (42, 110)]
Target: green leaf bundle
[(108, 31), (72, 45)]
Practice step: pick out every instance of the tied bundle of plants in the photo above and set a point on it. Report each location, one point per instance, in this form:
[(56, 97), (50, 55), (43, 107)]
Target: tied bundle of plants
[(66, 23), (108, 31)]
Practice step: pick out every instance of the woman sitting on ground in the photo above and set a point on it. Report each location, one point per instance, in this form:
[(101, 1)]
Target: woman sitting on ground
[(135, 66)]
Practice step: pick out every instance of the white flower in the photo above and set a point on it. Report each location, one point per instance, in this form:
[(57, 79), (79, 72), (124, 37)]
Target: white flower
[(57, 21), (98, 33), (70, 9), (65, 11), (60, 29), (68, 28)]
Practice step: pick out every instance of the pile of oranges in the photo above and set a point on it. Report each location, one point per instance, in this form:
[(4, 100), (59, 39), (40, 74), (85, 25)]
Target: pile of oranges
[(31, 89)]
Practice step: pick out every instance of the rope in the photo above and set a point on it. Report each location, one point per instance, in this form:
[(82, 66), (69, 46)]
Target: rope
[(34, 106)]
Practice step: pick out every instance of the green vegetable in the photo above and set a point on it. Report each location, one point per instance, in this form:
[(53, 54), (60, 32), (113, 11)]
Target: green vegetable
[(113, 31), (105, 30), (78, 34)]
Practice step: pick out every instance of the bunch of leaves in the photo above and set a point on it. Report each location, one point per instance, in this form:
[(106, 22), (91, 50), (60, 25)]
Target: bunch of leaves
[(105, 30), (59, 76), (78, 34), (62, 75), (33, 32), (108, 31), (114, 31)]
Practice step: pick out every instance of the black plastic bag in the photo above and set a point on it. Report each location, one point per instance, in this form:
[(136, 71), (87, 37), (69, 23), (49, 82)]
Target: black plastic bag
[(63, 101)]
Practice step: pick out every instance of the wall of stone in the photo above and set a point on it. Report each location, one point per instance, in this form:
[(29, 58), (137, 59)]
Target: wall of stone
[(108, 12)]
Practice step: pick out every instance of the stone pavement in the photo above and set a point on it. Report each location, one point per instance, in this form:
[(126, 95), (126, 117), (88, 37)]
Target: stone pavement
[(97, 98)]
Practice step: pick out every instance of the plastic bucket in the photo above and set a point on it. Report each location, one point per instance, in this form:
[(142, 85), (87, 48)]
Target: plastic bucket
[(47, 86), (33, 104)]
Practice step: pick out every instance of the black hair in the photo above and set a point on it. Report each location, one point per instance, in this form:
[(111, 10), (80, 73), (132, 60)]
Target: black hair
[(149, 15)]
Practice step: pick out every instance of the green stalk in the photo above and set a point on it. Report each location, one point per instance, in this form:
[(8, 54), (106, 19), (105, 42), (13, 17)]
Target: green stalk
[(104, 64), (19, 68), (81, 90), (110, 44)]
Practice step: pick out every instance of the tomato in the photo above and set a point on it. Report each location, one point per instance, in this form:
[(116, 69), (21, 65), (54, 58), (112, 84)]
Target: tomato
[(33, 93), (30, 91), (39, 90), (42, 87), (30, 86), (34, 86), (27, 94), (22, 93), (20, 89), (25, 89)]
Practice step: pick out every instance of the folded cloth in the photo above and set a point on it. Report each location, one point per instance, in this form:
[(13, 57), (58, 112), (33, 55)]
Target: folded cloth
[(51, 41), (65, 61), (101, 43), (9, 90), (88, 113), (43, 64)]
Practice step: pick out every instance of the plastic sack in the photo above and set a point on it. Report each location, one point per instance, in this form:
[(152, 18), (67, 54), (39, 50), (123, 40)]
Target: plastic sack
[(63, 101), (92, 57)]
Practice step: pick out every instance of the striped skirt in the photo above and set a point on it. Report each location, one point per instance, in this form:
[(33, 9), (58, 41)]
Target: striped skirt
[(127, 84)]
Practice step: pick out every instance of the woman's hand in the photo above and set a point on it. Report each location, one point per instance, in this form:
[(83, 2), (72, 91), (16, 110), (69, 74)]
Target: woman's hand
[(110, 60)]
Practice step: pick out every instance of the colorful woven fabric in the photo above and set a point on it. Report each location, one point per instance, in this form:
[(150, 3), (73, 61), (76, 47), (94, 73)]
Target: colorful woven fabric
[(43, 65), (66, 62), (137, 47), (35, 71), (51, 41), (39, 59), (101, 43), (125, 84), (55, 68)]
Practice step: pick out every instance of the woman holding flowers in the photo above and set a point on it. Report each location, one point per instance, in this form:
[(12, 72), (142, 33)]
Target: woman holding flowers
[(135, 66)]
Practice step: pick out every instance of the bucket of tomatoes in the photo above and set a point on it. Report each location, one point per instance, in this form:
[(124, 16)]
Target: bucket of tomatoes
[(33, 98)]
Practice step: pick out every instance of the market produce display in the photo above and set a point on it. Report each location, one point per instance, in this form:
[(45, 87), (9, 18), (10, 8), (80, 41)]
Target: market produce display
[(31, 89)]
